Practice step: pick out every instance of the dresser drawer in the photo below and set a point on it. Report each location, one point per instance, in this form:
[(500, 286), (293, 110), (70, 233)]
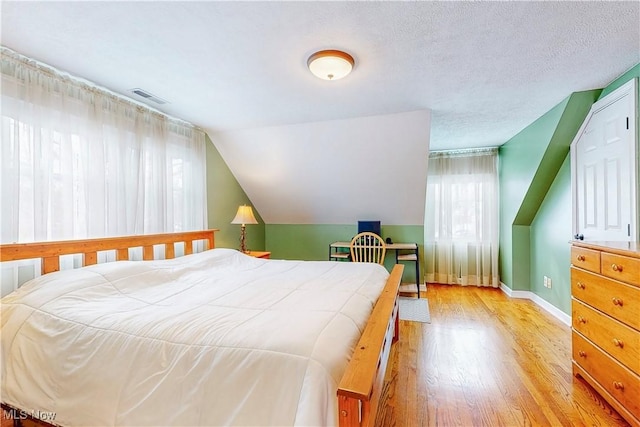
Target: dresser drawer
[(586, 258), (616, 299), (617, 339), (623, 268), (619, 381)]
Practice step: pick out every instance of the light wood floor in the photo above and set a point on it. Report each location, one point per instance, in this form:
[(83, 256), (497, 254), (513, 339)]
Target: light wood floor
[(487, 360)]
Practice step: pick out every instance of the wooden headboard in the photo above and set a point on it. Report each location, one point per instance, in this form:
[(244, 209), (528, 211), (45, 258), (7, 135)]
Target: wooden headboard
[(50, 252)]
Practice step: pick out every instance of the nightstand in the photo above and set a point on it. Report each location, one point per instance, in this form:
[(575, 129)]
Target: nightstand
[(259, 254)]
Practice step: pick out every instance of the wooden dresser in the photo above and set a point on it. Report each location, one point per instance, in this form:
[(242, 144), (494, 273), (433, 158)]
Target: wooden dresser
[(605, 290)]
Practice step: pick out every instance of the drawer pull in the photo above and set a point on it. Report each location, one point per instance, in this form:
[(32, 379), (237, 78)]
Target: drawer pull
[(582, 319), (618, 385), (616, 301), (582, 353), (618, 343), (580, 258), (616, 267), (580, 285)]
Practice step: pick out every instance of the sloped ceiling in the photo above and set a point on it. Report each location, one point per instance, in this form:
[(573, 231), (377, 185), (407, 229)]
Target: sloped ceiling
[(334, 172)]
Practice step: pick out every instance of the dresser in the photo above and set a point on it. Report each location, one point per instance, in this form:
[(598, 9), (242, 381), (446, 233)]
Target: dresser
[(605, 291)]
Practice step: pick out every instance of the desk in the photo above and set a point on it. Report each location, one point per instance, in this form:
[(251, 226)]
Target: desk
[(337, 252)]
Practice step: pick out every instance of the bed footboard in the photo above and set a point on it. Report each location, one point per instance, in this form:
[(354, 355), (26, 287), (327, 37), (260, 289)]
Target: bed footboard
[(361, 385)]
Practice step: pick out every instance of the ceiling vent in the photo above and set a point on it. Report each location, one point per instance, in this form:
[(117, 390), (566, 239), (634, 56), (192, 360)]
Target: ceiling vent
[(146, 95)]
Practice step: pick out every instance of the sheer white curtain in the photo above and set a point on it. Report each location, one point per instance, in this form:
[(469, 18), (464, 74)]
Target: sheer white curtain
[(80, 162), (461, 218)]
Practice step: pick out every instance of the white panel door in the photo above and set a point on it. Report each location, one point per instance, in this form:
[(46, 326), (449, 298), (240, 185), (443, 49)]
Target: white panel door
[(605, 171)]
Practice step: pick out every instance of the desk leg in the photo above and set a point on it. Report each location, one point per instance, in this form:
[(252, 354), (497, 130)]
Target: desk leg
[(418, 269)]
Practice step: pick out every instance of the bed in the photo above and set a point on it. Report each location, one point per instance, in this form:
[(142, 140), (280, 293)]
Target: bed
[(213, 338)]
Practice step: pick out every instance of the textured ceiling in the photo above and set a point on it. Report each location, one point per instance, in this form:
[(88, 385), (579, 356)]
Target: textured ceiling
[(484, 69)]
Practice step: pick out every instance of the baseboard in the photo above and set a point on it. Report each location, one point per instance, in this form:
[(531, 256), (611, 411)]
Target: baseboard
[(542, 303)]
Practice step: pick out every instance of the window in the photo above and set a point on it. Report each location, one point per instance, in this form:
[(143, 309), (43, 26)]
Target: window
[(79, 162), (461, 218)]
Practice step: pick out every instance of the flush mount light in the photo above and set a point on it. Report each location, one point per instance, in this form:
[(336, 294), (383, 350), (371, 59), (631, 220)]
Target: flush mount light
[(330, 64)]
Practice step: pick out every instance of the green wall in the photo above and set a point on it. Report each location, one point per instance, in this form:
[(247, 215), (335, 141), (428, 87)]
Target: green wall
[(224, 195), (550, 233), (531, 187), (311, 241), (519, 159), (307, 242)]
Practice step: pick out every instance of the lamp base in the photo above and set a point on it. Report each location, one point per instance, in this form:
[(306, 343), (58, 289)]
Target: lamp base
[(243, 246)]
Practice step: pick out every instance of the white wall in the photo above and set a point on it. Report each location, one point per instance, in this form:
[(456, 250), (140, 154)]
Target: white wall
[(334, 172)]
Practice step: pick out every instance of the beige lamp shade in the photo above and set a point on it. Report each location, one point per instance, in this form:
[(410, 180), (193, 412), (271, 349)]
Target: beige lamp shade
[(244, 216)]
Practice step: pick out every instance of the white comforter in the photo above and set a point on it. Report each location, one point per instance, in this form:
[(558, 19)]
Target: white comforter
[(216, 338)]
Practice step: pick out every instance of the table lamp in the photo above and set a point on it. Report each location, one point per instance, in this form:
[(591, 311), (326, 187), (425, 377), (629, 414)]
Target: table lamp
[(243, 217)]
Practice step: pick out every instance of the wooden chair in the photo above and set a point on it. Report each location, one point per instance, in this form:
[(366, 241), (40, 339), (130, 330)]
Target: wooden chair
[(367, 247)]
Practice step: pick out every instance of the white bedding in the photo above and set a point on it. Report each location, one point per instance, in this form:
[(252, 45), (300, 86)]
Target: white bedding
[(216, 338)]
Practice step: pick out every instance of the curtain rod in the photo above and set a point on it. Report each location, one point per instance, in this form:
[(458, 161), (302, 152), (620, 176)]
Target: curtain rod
[(85, 84), (464, 151)]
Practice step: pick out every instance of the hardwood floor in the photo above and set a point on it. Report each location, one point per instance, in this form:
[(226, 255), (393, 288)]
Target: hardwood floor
[(487, 360)]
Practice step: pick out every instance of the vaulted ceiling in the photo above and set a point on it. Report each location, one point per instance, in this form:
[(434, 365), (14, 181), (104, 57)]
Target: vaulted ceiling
[(427, 74)]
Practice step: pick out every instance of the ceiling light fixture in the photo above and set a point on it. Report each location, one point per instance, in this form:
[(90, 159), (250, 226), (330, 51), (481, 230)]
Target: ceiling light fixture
[(330, 64)]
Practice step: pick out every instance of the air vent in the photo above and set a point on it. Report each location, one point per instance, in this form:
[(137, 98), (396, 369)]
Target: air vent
[(146, 95)]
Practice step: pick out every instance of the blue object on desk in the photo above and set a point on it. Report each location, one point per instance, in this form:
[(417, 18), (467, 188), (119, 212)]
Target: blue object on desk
[(372, 226)]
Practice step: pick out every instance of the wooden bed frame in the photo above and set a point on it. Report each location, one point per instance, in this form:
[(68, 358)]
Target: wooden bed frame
[(361, 385)]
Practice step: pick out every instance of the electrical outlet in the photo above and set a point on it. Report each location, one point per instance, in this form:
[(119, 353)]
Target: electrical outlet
[(549, 282), (546, 282)]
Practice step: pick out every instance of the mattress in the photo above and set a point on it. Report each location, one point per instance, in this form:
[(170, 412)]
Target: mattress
[(215, 338)]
